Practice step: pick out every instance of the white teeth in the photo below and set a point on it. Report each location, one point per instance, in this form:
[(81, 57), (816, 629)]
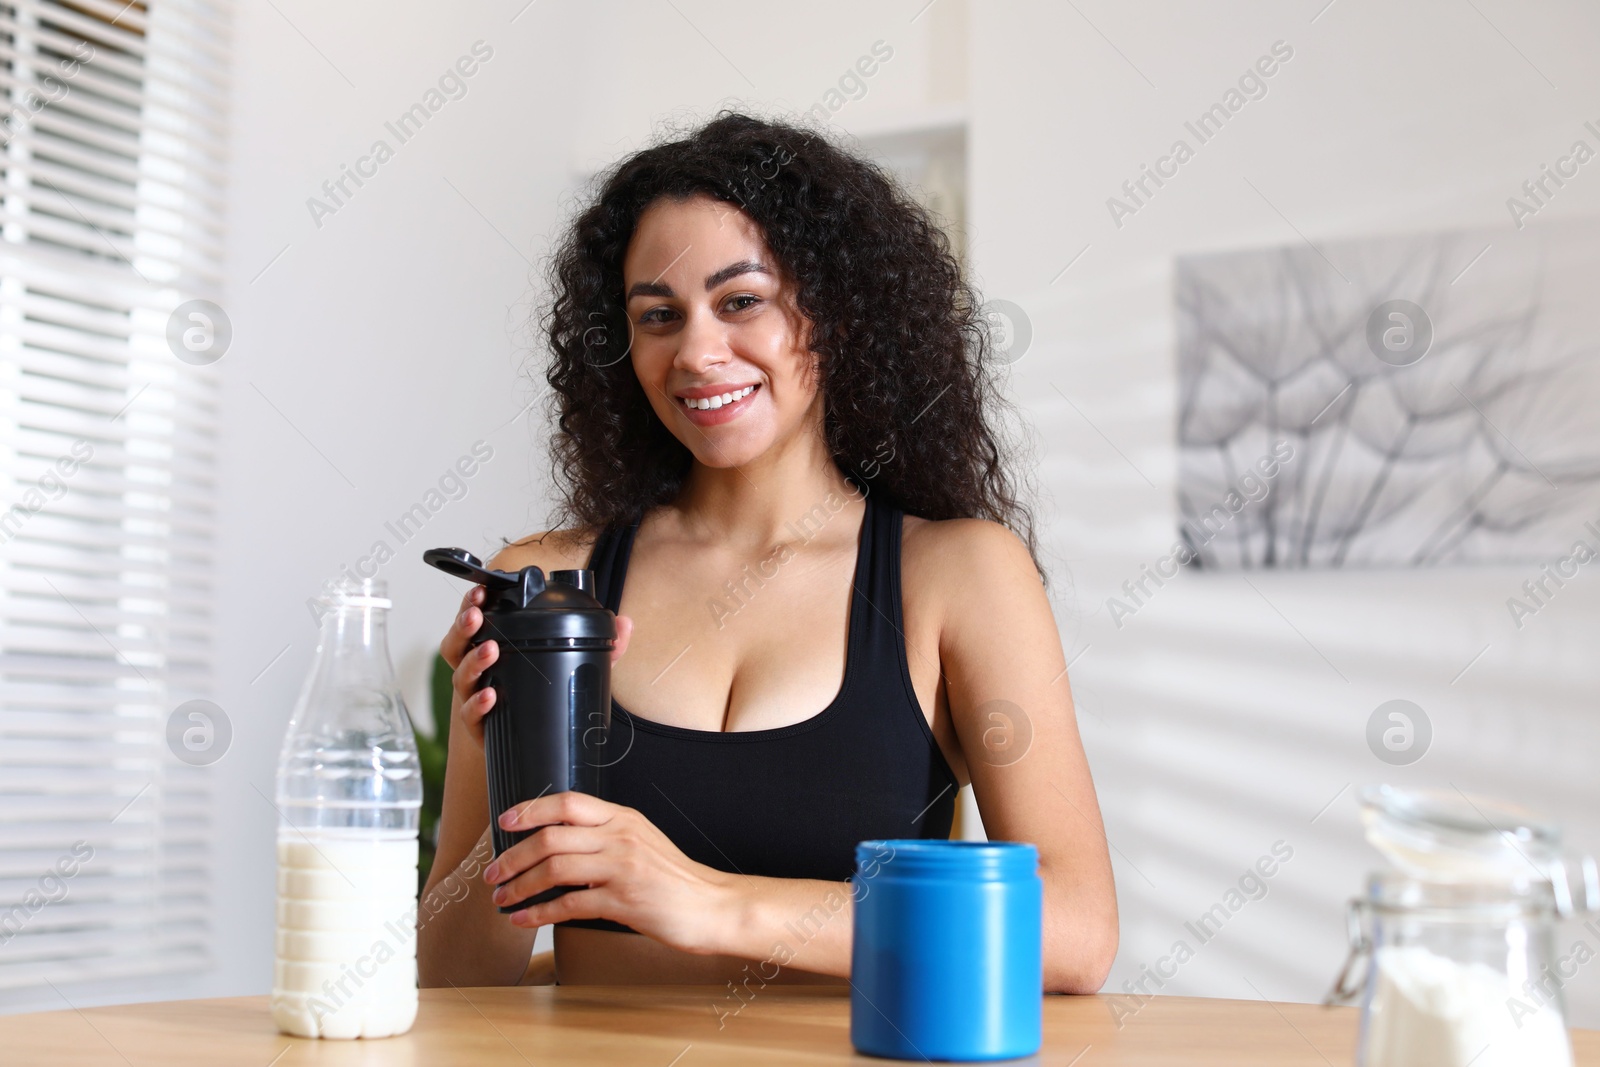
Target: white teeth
[(713, 402)]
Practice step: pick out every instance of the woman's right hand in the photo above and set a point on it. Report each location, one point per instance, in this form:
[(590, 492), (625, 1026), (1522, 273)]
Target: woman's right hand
[(467, 702)]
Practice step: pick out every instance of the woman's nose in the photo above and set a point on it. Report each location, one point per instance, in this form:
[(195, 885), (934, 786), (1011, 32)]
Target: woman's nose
[(702, 344)]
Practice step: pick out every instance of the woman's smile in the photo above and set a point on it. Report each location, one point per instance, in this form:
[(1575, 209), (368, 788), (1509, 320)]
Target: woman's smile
[(713, 405)]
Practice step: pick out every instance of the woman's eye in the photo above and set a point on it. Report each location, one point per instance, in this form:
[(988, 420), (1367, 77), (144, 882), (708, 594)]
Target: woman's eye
[(657, 316)]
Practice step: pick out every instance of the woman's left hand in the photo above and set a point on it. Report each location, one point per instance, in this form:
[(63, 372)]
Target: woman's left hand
[(635, 874)]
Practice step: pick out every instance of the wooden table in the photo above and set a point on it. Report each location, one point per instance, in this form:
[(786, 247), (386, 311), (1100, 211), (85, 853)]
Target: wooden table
[(673, 1026)]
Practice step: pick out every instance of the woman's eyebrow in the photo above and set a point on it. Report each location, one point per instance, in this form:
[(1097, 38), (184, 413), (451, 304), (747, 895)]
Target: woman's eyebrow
[(732, 270)]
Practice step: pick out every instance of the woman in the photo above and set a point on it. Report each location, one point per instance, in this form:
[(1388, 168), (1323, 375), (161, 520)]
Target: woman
[(776, 422)]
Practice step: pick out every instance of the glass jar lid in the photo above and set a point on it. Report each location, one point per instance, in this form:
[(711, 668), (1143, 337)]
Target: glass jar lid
[(1451, 836)]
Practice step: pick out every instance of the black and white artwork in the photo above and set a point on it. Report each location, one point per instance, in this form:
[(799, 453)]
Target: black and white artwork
[(1403, 401)]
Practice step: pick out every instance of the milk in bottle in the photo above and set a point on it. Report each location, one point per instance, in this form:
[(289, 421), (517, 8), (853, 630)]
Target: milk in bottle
[(349, 792)]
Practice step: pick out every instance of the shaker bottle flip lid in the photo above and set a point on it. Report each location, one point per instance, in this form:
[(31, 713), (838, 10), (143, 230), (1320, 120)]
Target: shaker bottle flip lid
[(522, 605), (506, 590)]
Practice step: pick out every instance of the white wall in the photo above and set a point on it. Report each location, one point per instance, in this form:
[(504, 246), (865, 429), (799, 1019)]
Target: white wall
[(393, 337)]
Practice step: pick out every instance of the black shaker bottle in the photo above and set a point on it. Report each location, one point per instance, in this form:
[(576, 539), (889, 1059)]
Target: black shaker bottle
[(551, 718)]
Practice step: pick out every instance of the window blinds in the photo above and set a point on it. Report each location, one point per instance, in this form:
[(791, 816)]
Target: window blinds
[(111, 180)]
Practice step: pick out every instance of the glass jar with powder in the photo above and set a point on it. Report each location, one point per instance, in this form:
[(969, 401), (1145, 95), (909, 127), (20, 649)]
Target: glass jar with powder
[(1453, 949), (1460, 974)]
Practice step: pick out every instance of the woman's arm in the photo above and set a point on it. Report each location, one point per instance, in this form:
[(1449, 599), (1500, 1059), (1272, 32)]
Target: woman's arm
[(1005, 681)]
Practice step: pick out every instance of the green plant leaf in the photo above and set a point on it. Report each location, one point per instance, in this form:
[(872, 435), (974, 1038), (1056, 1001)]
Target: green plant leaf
[(432, 753)]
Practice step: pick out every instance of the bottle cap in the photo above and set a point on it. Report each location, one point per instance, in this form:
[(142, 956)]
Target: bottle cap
[(352, 592)]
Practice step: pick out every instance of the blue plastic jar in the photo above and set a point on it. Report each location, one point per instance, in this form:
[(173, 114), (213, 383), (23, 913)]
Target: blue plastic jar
[(947, 960)]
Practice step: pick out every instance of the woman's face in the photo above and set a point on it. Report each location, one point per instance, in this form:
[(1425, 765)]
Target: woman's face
[(718, 343)]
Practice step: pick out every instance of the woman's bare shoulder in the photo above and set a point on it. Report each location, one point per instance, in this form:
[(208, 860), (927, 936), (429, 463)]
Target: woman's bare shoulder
[(965, 560), (961, 582), (963, 542), (551, 550)]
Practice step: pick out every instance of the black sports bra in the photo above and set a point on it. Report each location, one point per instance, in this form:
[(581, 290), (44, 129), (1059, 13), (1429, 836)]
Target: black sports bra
[(792, 801)]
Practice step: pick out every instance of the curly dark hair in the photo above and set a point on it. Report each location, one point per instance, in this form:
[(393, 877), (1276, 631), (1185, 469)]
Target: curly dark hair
[(912, 408)]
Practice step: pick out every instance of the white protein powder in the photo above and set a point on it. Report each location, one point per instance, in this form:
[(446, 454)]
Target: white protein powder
[(1430, 1011), (346, 953)]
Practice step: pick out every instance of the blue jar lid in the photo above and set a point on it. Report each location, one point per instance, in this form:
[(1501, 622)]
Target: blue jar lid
[(967, 861)]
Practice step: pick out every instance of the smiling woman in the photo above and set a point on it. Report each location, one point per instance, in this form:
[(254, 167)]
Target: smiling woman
[(724, 365)]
